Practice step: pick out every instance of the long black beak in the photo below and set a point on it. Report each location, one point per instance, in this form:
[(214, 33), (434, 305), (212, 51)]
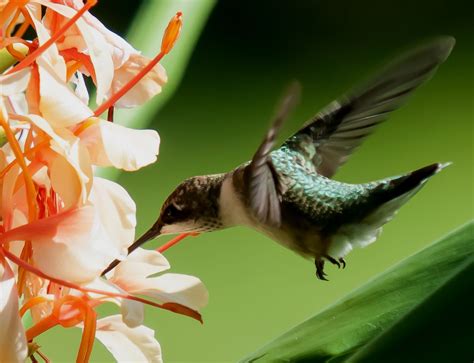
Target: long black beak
[(152, 233)]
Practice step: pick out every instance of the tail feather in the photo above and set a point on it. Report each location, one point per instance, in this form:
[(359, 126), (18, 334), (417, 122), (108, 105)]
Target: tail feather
[(387, 198), (410, 182), (390, 195)]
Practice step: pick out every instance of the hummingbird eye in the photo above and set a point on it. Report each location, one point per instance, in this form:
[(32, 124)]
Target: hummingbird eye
[(171, 213)]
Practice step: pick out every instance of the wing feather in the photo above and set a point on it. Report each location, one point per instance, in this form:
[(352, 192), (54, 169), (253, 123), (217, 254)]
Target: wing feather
[(263, 187), (342, 126)]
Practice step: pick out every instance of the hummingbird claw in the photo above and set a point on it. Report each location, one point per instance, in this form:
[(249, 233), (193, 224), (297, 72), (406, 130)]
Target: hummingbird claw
[(341, 260), (320, 274), (334, 261)]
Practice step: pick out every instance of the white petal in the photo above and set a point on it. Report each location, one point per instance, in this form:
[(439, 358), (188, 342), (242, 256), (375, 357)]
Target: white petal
[(58, 103), (14, 83), (182, 289), (51, 54), (128, 344), (133, 312), (71, 245), (81, 88), (146, 88), (100, 57), (116, 210), (13, 346), (140, 264), (110, 144)]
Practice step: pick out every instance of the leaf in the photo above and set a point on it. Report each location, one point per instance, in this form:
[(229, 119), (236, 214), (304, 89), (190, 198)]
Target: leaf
[(393, 315), (145, 34)]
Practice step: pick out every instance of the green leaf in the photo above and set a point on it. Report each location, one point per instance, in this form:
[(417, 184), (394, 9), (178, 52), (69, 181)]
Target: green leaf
[(401, 314), (145, 34)]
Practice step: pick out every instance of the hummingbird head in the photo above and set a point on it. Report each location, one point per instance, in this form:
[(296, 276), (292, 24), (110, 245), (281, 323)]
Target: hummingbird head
[(193, 206)]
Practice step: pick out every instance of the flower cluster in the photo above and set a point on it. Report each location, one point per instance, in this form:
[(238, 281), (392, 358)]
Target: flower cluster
[(61, 226)]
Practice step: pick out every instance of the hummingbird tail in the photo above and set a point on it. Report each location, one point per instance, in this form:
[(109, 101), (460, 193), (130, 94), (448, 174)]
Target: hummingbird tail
[(412, 182), (390, 195)]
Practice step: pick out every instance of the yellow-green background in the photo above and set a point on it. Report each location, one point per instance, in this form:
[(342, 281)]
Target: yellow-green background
[(248, 53)]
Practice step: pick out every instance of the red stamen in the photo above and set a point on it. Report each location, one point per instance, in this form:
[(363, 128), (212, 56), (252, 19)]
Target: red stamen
[(169, 38), (32, 56), (175, 240)]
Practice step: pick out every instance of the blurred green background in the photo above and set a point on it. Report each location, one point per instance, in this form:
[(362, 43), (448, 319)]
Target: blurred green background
[(247, 54)]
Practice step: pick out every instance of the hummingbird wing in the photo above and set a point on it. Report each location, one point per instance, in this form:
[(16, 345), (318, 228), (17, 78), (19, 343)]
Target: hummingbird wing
[(333, 134), (263, 189)]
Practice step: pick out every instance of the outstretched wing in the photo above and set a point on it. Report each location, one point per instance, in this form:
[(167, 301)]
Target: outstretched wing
[(333, 134), (263, 190)]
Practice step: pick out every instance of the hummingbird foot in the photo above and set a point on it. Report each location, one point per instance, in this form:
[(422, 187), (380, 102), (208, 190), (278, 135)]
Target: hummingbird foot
[(320, 274), (343, 262), (335, 262)]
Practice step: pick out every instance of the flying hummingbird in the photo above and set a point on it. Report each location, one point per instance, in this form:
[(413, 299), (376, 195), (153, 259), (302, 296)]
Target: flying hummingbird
[(288, 193)]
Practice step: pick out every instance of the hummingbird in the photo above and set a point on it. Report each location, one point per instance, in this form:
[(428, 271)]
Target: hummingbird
[(289, 193)]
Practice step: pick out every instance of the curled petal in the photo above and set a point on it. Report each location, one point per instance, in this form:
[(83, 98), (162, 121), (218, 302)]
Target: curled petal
[(128, 344), (185, 290), (13, 346), (110, 144)]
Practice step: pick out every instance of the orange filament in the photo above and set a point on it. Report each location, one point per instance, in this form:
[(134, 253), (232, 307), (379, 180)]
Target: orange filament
[(174, 307), (9, 9), (23, 28), (10, 26), (31, 303), (27, 154), (172, 33), (88, 335), (169, 38), (25, 255), (35, 54), (175, 240), (84, 125), (30, 188)]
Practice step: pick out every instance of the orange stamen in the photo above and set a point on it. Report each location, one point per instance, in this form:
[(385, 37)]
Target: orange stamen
[(172, 33), (32, 56), (31, 303), (41, 326), (174, 307), (27, 154), (30, 188), (9, 9), (84, 125), (88, 336), (169, 38), (22, 29), (175, 240), (10, 27)]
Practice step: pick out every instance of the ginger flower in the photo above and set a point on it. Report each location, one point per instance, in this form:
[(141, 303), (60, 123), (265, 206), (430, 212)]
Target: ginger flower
[(61, 226)]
